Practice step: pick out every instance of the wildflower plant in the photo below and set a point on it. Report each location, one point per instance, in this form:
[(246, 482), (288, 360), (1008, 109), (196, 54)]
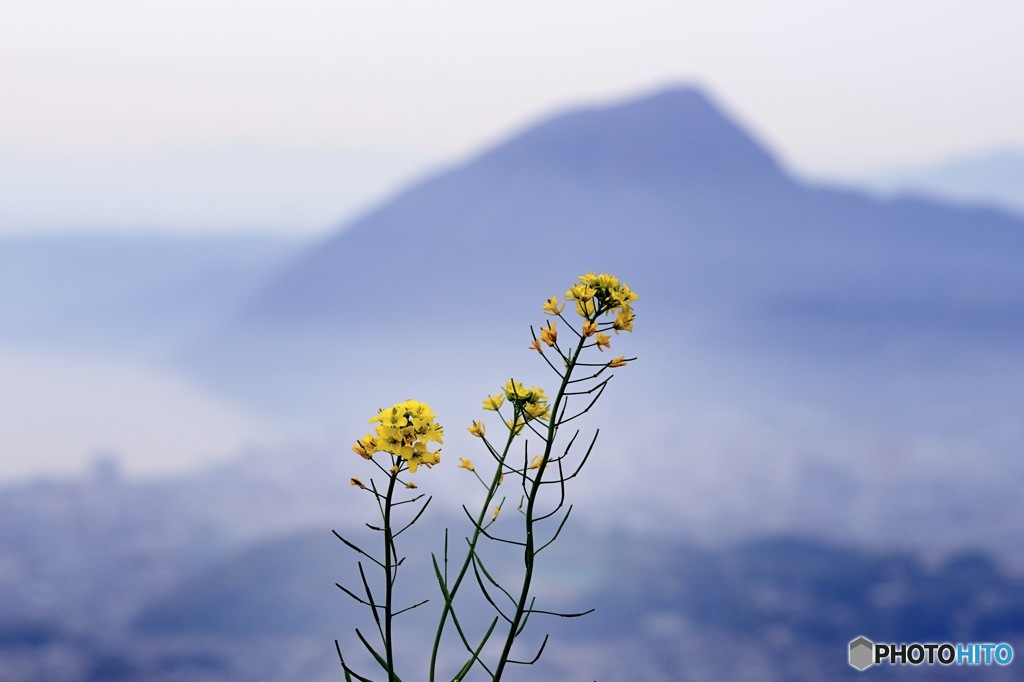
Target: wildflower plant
[(527, 451)]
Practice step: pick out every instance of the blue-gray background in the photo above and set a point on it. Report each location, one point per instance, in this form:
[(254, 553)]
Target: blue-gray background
[(819, 440)]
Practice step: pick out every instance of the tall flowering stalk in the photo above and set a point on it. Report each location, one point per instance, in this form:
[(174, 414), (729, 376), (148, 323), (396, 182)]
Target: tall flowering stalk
[(403, 432), (602, 305)]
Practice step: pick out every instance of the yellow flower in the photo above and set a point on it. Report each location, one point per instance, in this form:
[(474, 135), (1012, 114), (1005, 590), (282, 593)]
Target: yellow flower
[(531, 402), (537, 411), (356, 482), (589, 328), (606, 295), (606, 281), (552, 307), (549, 334), (411, 485), (477, 429), (427, 459), (580, 292), (515, 426), (624, 320), (406, 451), (404, 430), (603, 341), (422, 456), (586, 309), (494, 402), (515, 390), (432, 432), (497, 510), (536, 346), (365, 446), (624, 295), (466, 464), (536, 462), (617, 362)]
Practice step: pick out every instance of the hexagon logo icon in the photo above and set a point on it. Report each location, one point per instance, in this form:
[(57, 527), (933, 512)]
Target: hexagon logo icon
[(862, 653)]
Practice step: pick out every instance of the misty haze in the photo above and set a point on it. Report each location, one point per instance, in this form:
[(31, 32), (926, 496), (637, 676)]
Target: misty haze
[(820, 439)]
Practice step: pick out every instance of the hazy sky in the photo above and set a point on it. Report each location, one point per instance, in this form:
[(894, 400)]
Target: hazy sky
[(135, 114), (831, 85)]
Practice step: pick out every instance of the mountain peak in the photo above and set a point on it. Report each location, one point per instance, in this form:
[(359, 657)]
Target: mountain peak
[(677, 134)]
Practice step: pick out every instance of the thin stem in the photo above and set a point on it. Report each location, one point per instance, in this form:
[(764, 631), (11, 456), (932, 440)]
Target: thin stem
[(529, 552), (470, 553), (389, 545)]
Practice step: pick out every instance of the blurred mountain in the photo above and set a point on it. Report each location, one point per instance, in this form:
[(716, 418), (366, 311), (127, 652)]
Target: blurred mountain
[(810, 358), (539, 199), (995, 178), (117, 294), (724, 245)]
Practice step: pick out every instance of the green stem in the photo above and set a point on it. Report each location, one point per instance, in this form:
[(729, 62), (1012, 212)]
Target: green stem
[(454, 587), (529, 553), (389, 546)]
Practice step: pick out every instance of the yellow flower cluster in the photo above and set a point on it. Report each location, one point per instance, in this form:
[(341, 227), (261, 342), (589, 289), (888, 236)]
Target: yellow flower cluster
[(597, 295), (529, 403), (533, 401), (404, 430)]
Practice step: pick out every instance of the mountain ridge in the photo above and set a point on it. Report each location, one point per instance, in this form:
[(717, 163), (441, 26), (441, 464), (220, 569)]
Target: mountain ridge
[(679, 133), (871, 316), (615, 148)]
